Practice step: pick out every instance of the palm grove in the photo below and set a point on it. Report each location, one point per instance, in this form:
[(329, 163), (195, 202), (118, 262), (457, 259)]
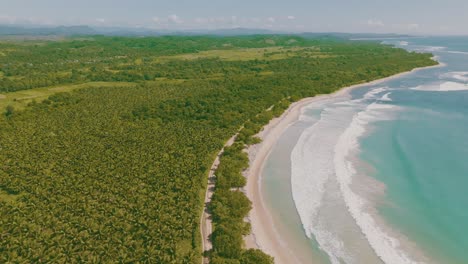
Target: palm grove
[(118, 173)]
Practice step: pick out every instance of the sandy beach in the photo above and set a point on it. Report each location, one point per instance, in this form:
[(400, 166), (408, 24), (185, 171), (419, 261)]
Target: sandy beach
[(264, 235)]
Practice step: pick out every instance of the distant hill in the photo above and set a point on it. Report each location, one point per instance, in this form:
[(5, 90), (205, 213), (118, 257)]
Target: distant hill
[(46, 31), (158, 32), (352, 35), (15, 30), (243, 31)]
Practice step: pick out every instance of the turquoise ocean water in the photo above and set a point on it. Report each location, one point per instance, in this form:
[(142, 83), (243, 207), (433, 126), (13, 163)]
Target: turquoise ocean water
[(380, 175)]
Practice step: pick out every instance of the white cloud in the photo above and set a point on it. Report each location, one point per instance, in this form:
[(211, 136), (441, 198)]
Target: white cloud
[(375, 23), (100, 20), (6, 19), (230, 21), (175, 19), (406, 28), (291, 17), (413, 26), (201, 20), (170, 20), (255, 20), (216, 21)]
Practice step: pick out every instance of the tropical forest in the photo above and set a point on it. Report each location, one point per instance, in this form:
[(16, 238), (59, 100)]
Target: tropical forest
[(106, 142)]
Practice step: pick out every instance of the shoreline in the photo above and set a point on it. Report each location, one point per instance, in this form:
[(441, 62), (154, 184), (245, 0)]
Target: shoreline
[(264, 235)]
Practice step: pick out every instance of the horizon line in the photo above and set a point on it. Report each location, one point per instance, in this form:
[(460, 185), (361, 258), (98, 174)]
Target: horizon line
[(195, 30)]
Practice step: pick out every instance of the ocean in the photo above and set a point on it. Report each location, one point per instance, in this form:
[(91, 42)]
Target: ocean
[(379, 175)]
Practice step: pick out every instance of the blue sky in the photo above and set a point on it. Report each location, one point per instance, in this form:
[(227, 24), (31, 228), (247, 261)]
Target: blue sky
[(381, 16)]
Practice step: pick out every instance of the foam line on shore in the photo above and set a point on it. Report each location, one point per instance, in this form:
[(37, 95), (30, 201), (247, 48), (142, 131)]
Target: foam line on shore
[(264, 234), (385, 246)]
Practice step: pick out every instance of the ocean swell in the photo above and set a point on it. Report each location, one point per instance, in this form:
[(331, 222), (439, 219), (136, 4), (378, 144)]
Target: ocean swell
[(386, 247), (442, 87), (321, 174), (314, 152)]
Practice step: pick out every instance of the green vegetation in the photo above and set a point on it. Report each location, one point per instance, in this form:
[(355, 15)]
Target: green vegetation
[(113, 168), (20, 99), (229, 205)]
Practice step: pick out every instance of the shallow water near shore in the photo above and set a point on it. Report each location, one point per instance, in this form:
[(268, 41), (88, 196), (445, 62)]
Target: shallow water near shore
[(379, 175), (284, 213)]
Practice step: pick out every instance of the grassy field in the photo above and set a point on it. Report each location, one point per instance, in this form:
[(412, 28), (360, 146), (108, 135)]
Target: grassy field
[(268, 53), (20, 99)]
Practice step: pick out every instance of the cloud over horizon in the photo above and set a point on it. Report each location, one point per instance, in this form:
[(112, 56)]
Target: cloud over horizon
[(437, 17)]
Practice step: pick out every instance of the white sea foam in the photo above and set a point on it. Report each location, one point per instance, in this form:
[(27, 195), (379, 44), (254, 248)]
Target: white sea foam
[(321, 157), (314, 153), (432, 48), (431, 87), (403, 43), (460, 76), (386, 97), (443, 87), (312, 168), (453, 86), (385, 246), (372, 94), (457, 52)]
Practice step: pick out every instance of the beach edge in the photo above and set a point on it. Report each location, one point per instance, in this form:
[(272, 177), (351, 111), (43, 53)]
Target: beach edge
[(264, 235)]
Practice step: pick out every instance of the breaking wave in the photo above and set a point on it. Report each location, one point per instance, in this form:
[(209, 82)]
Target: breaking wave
[(322, 156)]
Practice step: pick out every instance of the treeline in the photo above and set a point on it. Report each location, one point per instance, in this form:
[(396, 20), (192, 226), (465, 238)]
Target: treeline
[(229, 205), (41, 64), (117, 174), (46, 63)]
